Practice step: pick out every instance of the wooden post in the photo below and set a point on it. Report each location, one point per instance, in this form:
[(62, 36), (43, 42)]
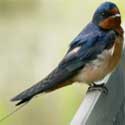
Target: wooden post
[(100, 109)]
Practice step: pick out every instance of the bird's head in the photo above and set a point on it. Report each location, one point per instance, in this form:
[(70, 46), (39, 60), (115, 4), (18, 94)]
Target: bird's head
[(107, 16)]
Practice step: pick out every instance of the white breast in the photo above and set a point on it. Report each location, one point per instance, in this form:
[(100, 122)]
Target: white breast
[(101, 66)]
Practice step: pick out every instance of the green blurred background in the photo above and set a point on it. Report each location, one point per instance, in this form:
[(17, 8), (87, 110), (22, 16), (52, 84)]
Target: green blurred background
[(34, 36)]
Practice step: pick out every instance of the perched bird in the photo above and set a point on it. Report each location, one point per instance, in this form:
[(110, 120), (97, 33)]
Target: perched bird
[(93, 54)]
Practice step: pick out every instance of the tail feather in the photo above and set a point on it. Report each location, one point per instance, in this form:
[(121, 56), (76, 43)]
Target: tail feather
[(23, 101), (56, 79), (28, 94), (42, 86)]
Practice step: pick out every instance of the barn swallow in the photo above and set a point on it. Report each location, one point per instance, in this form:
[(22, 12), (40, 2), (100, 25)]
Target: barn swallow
[(93, 54)]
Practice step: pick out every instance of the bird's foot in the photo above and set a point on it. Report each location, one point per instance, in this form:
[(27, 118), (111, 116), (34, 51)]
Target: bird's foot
[(100, 87)]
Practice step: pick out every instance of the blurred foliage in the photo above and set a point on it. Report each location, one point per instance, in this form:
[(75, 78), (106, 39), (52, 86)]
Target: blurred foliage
[(34, 37), (9, 7)]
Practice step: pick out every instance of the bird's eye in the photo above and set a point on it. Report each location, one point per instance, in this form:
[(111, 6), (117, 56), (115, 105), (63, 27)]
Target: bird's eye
[(106, 14), (102, 14)]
